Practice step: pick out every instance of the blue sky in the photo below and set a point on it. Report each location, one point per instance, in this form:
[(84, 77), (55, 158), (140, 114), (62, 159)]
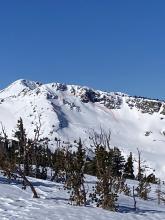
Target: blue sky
[(115, 45)]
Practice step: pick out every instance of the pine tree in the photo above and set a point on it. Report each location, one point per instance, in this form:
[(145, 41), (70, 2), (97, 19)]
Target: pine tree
[(75, 164), (11, 168), (90, 166), (106, 181), (58, 165), (143, 188), (117, 162), (23, 147), (151, 178), (128, 168)]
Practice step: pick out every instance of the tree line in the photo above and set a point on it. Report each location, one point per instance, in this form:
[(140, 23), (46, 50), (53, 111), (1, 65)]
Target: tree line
[(68, 164)]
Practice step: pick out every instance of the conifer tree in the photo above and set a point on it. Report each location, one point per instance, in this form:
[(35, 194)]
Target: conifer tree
[(75, 163), (11, 167), (117, 162), (23, 148), (106, 181), (58, 165), (128, 168), (143, 189)]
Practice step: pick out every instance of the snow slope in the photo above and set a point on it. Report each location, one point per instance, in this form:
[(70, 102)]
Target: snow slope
[(69, 112), (16, 203)]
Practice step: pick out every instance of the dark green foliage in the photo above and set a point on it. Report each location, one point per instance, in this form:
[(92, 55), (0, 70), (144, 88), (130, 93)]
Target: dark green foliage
[(41, 159), (33, 156), (75, 163), (90, 167), (152, 179), (112, 158), (28, 157), (13, 160), (105, 184), (143, 188), (117, 162), (128, 168), (58, 165), (109, 171), (22, 155)]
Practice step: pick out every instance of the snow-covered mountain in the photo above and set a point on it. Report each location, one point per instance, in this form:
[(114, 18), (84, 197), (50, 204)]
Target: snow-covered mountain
[(70, 111)]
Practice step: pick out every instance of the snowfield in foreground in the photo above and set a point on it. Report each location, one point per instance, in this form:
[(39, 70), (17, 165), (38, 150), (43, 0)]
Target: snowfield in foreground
[(16, 203)]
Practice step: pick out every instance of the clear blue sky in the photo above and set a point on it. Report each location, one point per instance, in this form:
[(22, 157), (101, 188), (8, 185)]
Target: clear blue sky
[(115, 45)]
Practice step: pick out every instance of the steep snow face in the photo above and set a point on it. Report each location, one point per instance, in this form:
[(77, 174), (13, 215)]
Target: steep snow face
[(70, 111)]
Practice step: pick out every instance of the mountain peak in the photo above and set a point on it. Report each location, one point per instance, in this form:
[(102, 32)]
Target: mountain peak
[(17, 87), (26, 83)]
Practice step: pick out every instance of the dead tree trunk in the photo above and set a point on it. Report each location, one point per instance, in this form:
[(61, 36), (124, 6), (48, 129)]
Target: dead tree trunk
[(35, 195), (159, 192), (134, 198), (139, 175)]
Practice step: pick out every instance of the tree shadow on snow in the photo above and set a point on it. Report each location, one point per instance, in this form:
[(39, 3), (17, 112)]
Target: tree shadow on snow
[(57, 199), (45, 184), (4, 180), (125, 209)]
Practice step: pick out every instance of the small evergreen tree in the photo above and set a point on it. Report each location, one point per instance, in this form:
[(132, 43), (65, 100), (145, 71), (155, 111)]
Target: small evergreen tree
[(143, 188), (117, 163), (151, 178), (75, 164), (13, 170), (58, 165), (106, 181), (128, 168), (23, 148), (90, 166)]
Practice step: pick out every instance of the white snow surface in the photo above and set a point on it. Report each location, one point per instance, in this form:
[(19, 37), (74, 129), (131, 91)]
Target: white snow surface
[(64, 115), (53, 204)]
